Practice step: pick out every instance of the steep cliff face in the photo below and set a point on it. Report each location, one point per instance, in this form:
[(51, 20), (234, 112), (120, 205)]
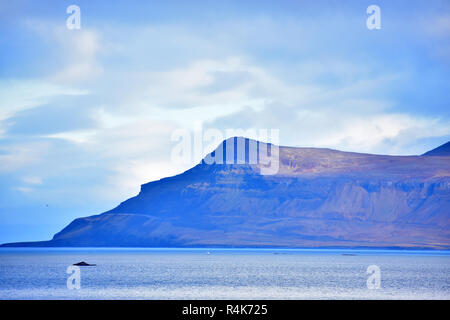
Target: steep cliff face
[(318, 198)]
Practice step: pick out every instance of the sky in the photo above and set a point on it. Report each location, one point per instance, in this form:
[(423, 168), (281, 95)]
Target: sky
[(87, 115)]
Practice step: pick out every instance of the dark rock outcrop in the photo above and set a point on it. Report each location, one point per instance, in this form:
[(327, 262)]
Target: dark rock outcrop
[(83, 264)]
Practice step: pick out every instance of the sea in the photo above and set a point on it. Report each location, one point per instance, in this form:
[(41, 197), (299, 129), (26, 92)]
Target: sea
[(150, 273)]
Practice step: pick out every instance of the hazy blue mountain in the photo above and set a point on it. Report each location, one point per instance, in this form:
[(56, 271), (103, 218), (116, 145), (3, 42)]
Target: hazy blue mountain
[(318, 198), (443, 150)]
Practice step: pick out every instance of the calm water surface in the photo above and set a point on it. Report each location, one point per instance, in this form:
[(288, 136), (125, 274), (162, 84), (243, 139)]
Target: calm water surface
[(40, 273)]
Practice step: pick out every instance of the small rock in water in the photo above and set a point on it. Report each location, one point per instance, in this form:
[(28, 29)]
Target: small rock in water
[(83, 264)]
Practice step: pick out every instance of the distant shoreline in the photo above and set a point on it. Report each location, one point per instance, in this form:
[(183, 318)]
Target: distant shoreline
[(330, 249)]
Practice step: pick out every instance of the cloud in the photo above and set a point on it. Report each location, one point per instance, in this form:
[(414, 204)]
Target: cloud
[(33, 180), (377, 132), (383, 133), (131, 152), (195, 85), (19, 95), (75, 51), (61, 115), (15, 156), (436, 29), (438, 26), (30, 182), (24, 189), (80, 49)]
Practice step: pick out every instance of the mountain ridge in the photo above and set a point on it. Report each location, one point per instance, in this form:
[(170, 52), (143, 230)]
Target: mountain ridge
[(443, 150), (317, 198)]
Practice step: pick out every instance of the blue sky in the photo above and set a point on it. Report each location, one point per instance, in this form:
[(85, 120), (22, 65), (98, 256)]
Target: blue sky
[(86, 116)]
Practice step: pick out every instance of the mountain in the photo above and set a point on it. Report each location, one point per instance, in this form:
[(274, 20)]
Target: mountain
[(443, 150), (317, 198)]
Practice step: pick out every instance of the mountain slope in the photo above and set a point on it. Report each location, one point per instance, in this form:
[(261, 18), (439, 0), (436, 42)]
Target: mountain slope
[(318, 198), (443, 150)]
